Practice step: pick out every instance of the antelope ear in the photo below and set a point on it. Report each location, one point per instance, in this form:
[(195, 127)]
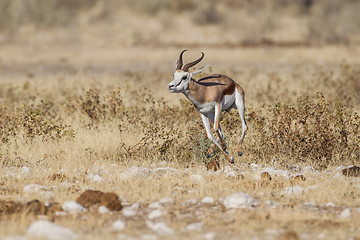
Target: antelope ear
[(198, 71)]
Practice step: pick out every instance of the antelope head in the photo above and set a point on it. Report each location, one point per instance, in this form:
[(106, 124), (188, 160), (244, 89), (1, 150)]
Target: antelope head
[(182, 74)]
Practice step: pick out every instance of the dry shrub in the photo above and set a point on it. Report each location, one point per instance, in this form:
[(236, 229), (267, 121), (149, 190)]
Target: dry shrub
[(161, 125), (32, 120), (314, 131)]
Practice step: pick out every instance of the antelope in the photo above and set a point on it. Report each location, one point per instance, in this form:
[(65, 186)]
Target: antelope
[(211, 95)]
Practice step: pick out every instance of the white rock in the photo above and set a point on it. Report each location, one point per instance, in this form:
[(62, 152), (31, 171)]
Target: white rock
[(191, 201), (308, 169), (208, 200), (197, 178), (310, 204), (295, 190), (330, 204), (210, 235), (156, 205), (229, 172), (95, 178), (166, 200), (61, 213), (271, 204), (25, 170), (345, 213), (339, 168), (254, 165), (195, 226), (155, 214), (321, 235), (117, 226), (103, 210), (294, 168), (72, 206), (273, 231), (129, 212), (46, 196), (31, 188), (160, 228), (239, 200), (123, 201), (136, 172), (338, 175), (48, 230)]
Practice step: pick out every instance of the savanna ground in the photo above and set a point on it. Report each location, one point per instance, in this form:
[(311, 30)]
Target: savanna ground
[(84, 105)]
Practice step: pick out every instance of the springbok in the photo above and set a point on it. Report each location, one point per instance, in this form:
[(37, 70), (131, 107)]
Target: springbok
[(211, 95)]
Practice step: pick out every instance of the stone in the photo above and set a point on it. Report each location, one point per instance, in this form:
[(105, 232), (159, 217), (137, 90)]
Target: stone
[(72, 206), (89, 198), (103, 210), (239, 200), (117, 226), (43, 229), (208, 200), (111, 201)]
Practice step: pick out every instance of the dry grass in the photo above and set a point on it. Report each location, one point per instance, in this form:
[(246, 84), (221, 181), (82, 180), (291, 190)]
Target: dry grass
[(84, 105), (81, 123)]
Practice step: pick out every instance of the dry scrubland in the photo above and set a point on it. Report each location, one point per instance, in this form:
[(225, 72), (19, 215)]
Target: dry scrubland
[(84, 105)]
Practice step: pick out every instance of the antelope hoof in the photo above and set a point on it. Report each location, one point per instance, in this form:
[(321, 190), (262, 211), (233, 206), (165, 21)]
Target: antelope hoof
[(232, 160), (240, 154)]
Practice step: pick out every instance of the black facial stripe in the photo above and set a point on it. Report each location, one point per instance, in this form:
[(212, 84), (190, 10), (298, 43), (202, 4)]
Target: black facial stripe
[(181, 80), (178, 83)]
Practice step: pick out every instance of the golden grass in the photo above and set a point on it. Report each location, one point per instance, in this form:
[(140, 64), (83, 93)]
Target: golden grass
[(111, 134)]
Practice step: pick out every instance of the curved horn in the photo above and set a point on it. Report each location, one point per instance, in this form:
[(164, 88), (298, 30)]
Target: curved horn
[(180, 61), (189, 65)]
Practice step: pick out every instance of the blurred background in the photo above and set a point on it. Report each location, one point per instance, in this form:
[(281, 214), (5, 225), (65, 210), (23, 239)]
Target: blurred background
[(181, 22)]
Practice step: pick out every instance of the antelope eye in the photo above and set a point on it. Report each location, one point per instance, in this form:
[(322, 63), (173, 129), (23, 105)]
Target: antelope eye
[(184, 77)]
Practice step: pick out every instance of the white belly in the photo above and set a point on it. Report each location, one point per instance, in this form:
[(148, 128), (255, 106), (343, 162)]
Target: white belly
[(228, 101), (206, 107)]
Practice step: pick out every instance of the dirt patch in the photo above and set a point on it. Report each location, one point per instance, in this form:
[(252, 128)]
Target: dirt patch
[(265, 176), (289, 235), (89, 198), (93, 197), (58, 177), (53, 208), (111, 201), (353, 171), (10, 207), (298, 178), (35, 207), (213, 165)]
